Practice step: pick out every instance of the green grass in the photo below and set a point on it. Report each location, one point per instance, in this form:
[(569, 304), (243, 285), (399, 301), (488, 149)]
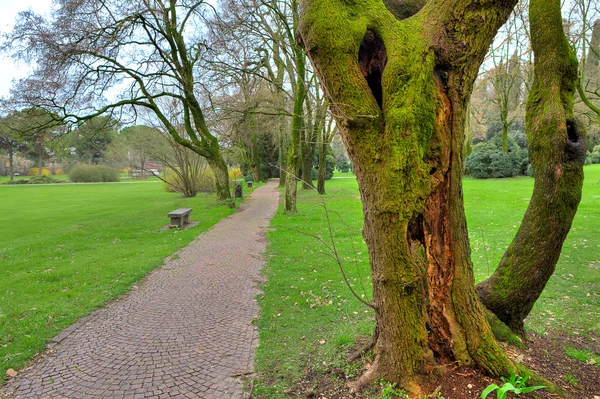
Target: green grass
[(582, 355), (68, 249), (309, 319)]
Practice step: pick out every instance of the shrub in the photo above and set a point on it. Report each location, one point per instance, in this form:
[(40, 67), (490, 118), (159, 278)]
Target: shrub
[(596, 154), (59, 171), (20, 181), (44, 179), (235, 174), (83, 173), (35, 171), (588, 158), (249, 177), (189, 184), (530, 170), (488, 160)]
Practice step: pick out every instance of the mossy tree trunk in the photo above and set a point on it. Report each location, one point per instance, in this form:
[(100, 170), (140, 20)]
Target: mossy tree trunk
[(255, 159), (316, 113), (557, 150), (399, 90), (308, 143), (219, 168), (294, 150)]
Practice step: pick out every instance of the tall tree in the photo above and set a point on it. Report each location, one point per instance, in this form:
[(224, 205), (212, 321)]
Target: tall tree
[(314, 121), (10, 142), (399, 89), (92, 137), (328, 131), (148, 53), (557, 151)]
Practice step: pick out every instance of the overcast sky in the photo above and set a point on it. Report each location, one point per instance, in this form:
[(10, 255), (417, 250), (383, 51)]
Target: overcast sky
[(8, 12)]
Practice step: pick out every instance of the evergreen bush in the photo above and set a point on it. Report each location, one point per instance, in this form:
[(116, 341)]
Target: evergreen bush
[(596, 154), (489, 161)]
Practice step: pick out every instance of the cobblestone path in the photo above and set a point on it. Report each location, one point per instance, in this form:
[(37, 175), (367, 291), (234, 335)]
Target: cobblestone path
[(185, 332)]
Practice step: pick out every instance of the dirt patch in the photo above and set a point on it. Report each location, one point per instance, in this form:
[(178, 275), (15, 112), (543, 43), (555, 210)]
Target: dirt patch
[(544, 355)]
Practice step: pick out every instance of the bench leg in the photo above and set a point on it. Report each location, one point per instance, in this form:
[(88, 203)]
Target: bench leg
[(177, 221)]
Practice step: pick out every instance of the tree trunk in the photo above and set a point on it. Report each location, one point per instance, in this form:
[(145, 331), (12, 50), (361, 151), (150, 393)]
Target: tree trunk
[(307, 166), (255, 156), (283, 150), (557, 150), (293, 158), (504, 137), (219, 169), (322, 168), (40, 159), (399, 91), (11, 166)]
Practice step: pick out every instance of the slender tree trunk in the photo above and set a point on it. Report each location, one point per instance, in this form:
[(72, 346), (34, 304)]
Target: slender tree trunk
[(255, 156), (11, 166), (557, 150), (322, 167), (504, 137), (399, 92), (283, 150), (307, 166), (40, 159), (294, 156)]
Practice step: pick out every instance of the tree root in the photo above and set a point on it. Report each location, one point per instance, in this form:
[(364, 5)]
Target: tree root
[(502, 332), (365, 379), (367, 347)]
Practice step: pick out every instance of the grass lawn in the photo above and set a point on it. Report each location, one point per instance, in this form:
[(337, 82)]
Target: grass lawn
[(309, 319), (68, 249)]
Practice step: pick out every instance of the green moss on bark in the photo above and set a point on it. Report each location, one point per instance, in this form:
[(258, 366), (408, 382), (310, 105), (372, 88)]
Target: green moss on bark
[(557, 148), (406, 149)]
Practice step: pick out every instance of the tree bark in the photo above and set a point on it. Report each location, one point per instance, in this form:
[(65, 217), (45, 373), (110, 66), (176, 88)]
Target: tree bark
[(219, 169), (322, 167), (307, 166), (255, 155), (557, 150), (399, 92), (283, 150), (40, 158), (294, 156), (11, 166)]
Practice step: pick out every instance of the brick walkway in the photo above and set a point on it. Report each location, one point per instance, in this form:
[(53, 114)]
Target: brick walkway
[(185, 332)]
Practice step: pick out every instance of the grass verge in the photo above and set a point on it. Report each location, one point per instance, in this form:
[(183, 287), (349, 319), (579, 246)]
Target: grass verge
[(309, 319), (68, 249)]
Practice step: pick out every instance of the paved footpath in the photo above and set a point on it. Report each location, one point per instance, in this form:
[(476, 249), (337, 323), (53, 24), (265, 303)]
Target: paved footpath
[(185, 332)]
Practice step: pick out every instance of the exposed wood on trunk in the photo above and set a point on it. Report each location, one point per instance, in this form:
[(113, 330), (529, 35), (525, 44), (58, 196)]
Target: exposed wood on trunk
[(399, 92)]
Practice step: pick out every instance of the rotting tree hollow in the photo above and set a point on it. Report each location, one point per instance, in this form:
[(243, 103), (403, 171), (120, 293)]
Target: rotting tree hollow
[(372, 59)]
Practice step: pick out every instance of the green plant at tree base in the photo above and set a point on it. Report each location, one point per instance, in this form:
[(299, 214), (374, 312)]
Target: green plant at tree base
[(572, 380), (391, 391), (514, 384)]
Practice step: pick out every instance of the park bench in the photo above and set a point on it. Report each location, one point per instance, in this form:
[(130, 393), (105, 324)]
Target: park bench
[(180, 217)]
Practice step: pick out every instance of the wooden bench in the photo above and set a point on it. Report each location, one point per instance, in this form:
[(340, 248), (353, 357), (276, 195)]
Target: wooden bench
[(180, 217)]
